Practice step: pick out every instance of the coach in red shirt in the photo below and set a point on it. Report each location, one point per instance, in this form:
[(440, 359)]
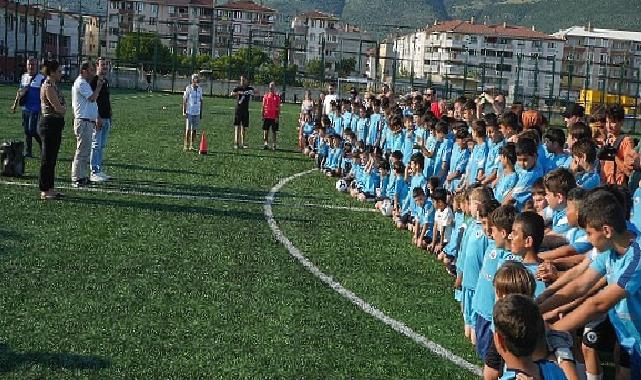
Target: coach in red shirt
[(271, 114)]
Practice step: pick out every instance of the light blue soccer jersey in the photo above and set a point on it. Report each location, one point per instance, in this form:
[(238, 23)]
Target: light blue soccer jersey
[(442, 156), (396, 142), (401, 189), (383, 184), (361, 128), (457, 234), (588, 180), (635, 216), (431, 144), (493, 156), (416, 181), (485, 297), (560, 221), (557, 160), (504, 185), (476, 244), (624, 271), (522, 191), (374, 131), (333, 160), (425, 215), (578, 240), (476, 162), (370, 181), (337, 123), (460, 165), (549, 371), (308, 129), (409, 139)]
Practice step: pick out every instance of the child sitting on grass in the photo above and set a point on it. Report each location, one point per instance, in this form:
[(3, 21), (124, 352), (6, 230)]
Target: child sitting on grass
[(443, 220), (423, 216)]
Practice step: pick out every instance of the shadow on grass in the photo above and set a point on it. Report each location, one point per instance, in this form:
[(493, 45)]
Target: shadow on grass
[(274, 156), (156, 170), (11, 360)]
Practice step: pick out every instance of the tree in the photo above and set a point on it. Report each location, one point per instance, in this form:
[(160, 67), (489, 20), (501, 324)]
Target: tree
[(315, 69), (345, 66), (142, 47)]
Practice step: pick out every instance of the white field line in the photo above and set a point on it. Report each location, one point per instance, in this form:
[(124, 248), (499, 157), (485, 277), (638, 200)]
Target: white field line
[(185, 196), (398, 326)]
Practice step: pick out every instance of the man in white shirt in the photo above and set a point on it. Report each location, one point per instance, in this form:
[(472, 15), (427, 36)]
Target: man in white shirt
[(329, 98), (192, 111), (86, 120)]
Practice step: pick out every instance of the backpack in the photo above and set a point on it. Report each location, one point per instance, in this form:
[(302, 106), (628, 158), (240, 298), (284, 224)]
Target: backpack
[(11, 159)]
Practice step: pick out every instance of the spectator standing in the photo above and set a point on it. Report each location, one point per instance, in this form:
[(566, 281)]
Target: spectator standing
[(327, 102), (244, 94), (29, 91), (271, 115), (53, 121), (192, 111), (86, 122), (614, 169), (100, 136)]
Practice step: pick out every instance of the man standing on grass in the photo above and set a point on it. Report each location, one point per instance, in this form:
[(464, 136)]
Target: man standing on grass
[(104, 113), (271, 115), (244, 94), (192, 111), (86, 121), (30, 90)]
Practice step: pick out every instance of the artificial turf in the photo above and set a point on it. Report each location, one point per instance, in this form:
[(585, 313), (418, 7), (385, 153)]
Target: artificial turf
[(119, 284)]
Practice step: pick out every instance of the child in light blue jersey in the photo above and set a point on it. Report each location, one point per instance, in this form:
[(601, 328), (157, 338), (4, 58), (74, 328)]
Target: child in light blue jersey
[(476, 165), (527, 171), (458, 166), (347, 116), (375, 125), (500, 226), (481, 204), (507, 178), (519, 327), (337, 122), (423, 216), (583, 159), (429, 147), (443, 223), (355, 107), (321, 148), (396, 136), (307, 130), (385, 131), (372, 178), (334, 157), (347, 162), (569, 255), (443, 152), (526, 237), (618, 262), (384, 183), (495, 144), (409, 139), (557, 157), (400, 189), (558, 183), (459, 205), (362, 125), (416, 180)]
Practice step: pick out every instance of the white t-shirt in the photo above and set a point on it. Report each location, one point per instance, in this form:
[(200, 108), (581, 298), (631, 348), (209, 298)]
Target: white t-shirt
[(82, 107), (327, 103), (444, 220), (194, 98)]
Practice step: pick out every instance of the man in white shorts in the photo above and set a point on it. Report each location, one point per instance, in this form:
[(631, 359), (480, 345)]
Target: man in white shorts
[(192, 110)]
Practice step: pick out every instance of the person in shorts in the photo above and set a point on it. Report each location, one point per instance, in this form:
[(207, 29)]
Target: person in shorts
[(271, 115), (244, 94), (193, 111)]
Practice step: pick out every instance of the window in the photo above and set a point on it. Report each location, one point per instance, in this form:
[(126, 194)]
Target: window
[(474, 39), (551, 45), (536, 44), (171, 9), (491, 40), (115, 4), (238, 15), (153, 8), (152, 20), (236, 28), (140, 6), (500, 67)]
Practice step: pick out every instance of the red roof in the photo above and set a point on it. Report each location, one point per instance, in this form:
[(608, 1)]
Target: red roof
[(245, 5), (493, 30), (316, 14)]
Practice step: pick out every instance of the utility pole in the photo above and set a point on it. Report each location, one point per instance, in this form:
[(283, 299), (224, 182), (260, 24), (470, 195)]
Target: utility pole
[(214, 15), (26, 28), (80, 21)]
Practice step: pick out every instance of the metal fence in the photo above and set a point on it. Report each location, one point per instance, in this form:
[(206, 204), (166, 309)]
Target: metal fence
[(546, 83)]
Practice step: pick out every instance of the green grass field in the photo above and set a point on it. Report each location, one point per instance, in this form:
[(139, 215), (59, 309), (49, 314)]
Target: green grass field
[(135, 279)]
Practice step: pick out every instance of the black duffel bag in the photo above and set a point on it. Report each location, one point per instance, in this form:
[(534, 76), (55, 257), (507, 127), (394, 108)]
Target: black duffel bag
[(11, 159)]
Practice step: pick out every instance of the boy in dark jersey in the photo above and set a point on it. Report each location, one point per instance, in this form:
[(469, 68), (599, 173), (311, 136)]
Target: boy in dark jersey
[(244, 94)]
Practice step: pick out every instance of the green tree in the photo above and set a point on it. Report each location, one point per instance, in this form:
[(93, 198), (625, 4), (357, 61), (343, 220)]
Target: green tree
[(315, 69), (345, 66), (142, 47)]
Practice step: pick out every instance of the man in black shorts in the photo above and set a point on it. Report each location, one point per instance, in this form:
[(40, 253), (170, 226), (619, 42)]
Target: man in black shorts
[(243, 95), (271, 114)]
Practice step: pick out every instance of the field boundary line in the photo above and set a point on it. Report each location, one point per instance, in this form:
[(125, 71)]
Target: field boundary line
[(258, 201), (396, 325)]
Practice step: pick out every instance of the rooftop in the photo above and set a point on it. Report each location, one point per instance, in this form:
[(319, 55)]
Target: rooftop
[(245, 5), (583, 31), (318, 15), (491, 30)]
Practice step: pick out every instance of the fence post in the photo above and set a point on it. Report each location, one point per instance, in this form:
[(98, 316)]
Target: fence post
[(501, 75), (570, 79), (636, 101), (620, 86), (519, 58), (322, 72), (551, 95), (285, 67), (467, 56), (535, 95)]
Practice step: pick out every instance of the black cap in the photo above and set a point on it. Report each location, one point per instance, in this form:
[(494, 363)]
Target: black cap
[(573, 109)]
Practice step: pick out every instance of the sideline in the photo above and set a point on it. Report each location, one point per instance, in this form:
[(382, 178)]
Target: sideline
[(398, 326)]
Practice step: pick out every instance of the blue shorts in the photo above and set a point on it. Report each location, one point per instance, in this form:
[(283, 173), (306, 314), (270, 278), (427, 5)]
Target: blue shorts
[(484, 336), (468, 313)]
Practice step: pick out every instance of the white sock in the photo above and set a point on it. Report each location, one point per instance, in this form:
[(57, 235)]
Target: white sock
[(590, 376), (580, 371)]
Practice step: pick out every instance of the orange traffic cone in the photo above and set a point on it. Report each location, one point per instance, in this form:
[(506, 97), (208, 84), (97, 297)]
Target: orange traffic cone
[(203, 144)]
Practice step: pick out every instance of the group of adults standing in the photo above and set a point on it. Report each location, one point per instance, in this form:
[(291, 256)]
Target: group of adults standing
[(43, 118)]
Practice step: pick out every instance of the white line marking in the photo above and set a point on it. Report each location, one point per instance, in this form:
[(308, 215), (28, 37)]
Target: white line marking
[(348, 294), (185, 196)]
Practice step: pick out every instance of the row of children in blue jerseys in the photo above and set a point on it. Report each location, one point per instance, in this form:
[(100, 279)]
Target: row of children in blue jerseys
[(522, 221)]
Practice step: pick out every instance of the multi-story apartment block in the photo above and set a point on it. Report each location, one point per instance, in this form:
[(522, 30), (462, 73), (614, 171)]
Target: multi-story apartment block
[(604, 60), (464, 54), (318, 35), (189, 26)]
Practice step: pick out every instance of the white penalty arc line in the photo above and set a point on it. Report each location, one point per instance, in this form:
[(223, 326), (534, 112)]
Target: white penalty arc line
[(398, 326)]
